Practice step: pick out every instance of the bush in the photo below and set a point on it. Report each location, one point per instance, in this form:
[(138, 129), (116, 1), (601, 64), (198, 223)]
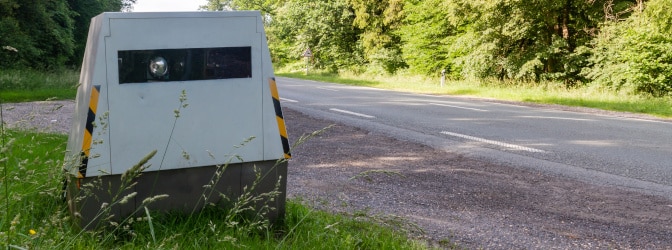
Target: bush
[(635, 55)]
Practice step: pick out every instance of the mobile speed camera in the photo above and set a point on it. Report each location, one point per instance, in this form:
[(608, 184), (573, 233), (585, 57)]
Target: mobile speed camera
[(196, 87)]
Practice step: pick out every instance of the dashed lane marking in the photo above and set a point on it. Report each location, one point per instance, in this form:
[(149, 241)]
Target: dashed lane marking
[(335, 90), (352, 113), (557, 118), (458, 107), (287, 100), (497, 143)]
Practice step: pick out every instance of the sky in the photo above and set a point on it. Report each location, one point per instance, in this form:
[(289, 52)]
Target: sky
[(167, 5)]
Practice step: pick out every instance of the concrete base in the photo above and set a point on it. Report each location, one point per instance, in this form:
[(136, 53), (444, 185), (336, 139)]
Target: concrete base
[(185, 189)]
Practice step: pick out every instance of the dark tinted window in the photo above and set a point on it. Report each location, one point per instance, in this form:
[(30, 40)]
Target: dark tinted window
[(184, 64)]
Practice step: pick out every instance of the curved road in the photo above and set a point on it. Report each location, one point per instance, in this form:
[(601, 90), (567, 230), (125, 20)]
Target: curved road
[(601, 149)]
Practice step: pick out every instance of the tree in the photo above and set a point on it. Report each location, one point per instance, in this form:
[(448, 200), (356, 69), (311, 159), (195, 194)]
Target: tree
[(266, 7), (378, 19), (49, 34), (518, 39), (525, 40), (83, 11), (429, 39), (216, 5), (635, 54), (324, 26), (40, 30)]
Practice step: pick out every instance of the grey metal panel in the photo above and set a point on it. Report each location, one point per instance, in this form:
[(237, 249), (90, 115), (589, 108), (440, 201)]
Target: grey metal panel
[(222, 113), (186, 190)]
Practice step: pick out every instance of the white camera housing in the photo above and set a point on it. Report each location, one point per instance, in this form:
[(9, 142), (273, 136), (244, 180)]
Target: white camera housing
[(139, 72)]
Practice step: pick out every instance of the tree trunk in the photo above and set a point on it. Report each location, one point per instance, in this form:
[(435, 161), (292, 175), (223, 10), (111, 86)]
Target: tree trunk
[(640, 5), (565, 26)]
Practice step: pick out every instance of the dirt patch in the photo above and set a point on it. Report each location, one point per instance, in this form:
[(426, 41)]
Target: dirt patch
[(46, 116), (472, 203)]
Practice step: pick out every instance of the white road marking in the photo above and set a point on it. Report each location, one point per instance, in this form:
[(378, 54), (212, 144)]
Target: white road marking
[(446, 105), (557, 118), (638, 119), (335, 90), (287, 100), (457, 103), (510, 105), (352, 113), (502, 144), (425, 95)]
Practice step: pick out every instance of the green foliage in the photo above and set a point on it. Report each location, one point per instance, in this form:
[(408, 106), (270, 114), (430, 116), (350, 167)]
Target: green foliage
[(301, 24), (378, 20), (48, 34), (33, 85), (340, 231), (568, 41), (83, 11), (217, 5), (429, 38), (267, 7), (525, 40), (503, 39), (30, 188), (635, 55), (40, 30)]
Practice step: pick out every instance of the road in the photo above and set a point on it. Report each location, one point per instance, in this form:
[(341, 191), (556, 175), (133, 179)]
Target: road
[(599, 148)]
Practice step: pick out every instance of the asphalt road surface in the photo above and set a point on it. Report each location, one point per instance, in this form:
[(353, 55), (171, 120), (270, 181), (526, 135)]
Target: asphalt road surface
[(604, 148)]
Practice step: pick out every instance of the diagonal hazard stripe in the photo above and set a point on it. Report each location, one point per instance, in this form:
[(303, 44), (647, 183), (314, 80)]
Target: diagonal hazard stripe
[(88, 131), (285, 146), (278, 109), (279, 118)]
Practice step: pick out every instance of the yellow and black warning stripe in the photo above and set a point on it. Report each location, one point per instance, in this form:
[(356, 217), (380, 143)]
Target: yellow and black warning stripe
[(280, 119), (88, 131)]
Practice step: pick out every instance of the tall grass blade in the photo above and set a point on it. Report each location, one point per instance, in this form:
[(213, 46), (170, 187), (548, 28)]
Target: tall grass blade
[(151, 225), (280, 244)]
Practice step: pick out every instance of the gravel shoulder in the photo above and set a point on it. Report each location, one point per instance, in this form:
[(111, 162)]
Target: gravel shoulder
[(45, 116), (469, 202)]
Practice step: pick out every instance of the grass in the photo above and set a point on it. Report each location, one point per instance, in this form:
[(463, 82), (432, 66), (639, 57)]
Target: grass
[(545, 93), (36, 217), (32, 85)]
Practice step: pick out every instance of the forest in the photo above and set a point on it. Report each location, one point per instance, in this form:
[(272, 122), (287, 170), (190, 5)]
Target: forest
[(620, 45)]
